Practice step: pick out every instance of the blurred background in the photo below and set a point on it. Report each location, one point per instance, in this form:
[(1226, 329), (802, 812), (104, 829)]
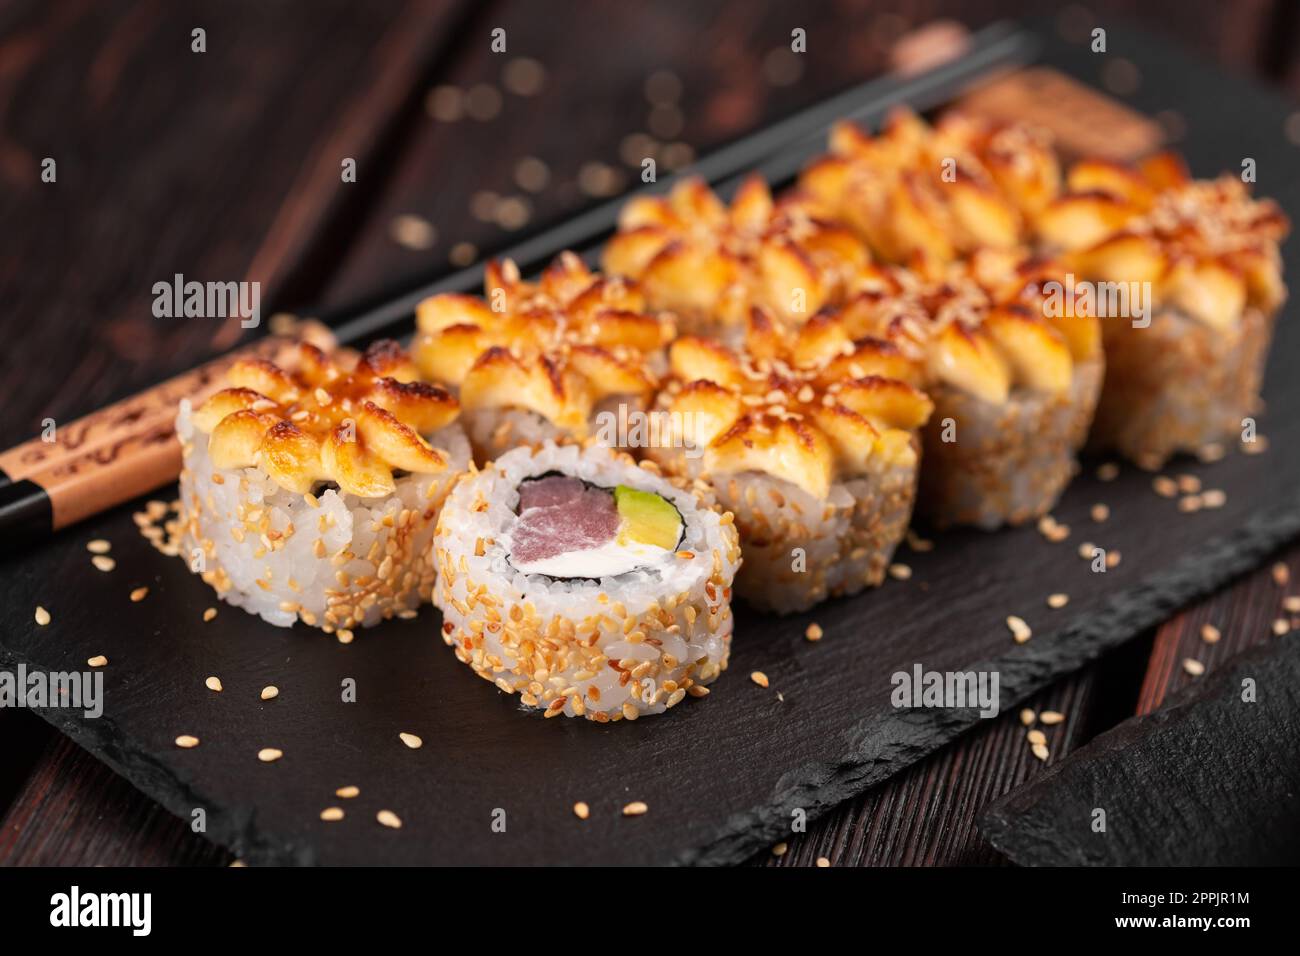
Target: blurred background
[(225, 165)]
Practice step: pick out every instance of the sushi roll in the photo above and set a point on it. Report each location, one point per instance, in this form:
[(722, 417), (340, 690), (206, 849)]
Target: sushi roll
[(310, 493), (932, 195), (554, 360), (1203, 255), (585, 583), (710, 264), (1014, 384), (817, 461)]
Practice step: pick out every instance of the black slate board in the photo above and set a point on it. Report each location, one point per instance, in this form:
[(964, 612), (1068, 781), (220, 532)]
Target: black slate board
[(722, 776), (1208, 780)]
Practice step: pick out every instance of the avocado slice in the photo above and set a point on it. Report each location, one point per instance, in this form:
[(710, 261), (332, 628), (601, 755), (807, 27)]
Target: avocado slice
[(648, 518)]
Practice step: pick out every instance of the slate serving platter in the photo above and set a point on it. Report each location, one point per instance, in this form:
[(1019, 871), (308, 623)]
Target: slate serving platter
[(1210, 779), (723, 776)]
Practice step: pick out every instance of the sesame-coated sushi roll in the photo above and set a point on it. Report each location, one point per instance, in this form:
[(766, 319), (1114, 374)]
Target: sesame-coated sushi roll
[(554, 360), (311, 493), (1198, 264), (818, 463), (710, 264), (585, 583), (1014, 382)]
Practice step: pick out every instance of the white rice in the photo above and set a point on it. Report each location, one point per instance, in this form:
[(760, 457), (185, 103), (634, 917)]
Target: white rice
[(609, 649)]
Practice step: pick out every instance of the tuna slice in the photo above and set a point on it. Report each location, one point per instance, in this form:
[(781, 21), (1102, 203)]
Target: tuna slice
[(559, 515)]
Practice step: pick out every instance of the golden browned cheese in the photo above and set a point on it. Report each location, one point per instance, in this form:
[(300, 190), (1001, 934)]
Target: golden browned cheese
[(922, 195), (711, 263), (555, 347), (341, 418), (809, 426), (1207, 248), (982, 325)]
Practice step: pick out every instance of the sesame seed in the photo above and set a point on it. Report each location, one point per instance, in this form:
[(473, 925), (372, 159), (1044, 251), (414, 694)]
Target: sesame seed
[(900, 572), (1210, 634), (823, 862), (1281, 626), (213, 684), (1193, 667), (1019, 629), (345, 636), (99, 660), (581, 810), (1292, 604), (1212, 452), (330, 814), (1190, 504), (103, 562), (270, 692), (1051, 717), (1214, 498), (780, 849), (1164, 486), (98, 546), (1057, 601), (186, 741), (1036, 737), (1281, 574), (269, 754), (42, 616), (917, 543), (348, 792), (1027, 716), (412, 741), (1112, 559), (814, 632), (209, 614), (635, 808), (759, 678), (1100, 512), (139, 594), (1108, 471), (1040, 751), (1086, 549), (389, 819)]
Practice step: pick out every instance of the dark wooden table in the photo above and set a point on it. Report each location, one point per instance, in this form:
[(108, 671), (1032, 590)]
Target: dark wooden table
[(225, 165)]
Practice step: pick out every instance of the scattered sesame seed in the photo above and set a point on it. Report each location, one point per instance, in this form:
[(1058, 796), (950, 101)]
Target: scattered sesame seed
[(823, 862), (1100, 512), (1164, 486), (814, 632), (413, 232), (581, 810), (99, 546), (1281, 626), (1292, 603), (209, 614), (269, 754), (103, 562), (186, 741), (1281, 574), (1214, 498), (389, 819), (1036, 737), (1040, 751), (99, 660), (780, 849), (1190, 504), (900, 572), (270, 692), (1256, 447), (1193, 667), (1212, 452), (917, 543), (1086, 549), (759, 678), (635, 808), (213, 684), (1027, 716), (139, 594), (345, 636), (1019, 629), (237, 864), (42, 616), (1210, 634), (1108, 471), (1112, 559), (1058, 600), (412, 741), (330, 814), (1051, 717), (348, 792)]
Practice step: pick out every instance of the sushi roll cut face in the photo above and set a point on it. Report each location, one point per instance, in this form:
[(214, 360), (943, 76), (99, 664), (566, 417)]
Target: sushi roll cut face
[(1014, 383), (536, 362), (585, 582), (1186, 374), (710, 264), (818, 463), (311, 493)]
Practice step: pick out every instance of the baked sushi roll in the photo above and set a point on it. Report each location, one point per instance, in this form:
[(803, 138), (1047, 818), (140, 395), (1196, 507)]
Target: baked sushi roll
[(1202, 256), (710, 264), (818, 464), (554, 360), (311, 493), (1014, 382), (932, 195), (585, 583)]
